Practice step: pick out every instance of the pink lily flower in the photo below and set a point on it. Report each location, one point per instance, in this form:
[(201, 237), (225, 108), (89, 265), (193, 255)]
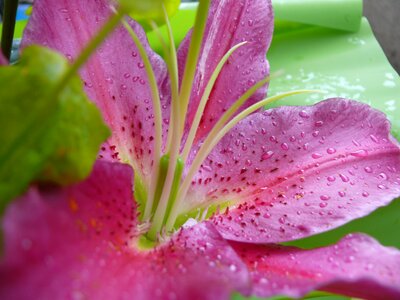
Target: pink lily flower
[(275, 176)]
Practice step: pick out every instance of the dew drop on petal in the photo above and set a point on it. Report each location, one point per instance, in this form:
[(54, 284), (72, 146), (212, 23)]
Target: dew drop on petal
[(344, 178), (374, 138), (304, 114), (365, 194), (359, 153), (285, 146), (267, 215), (325, 197), (383, 176), (382, 187), (331, 178), (319, 123), (331, 150), (368, 169), (316, 155)]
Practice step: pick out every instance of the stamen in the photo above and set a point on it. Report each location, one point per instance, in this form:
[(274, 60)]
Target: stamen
[(191, 64), (204, 100), (183, 99), (157, 117), (172, 64), (212, 140)]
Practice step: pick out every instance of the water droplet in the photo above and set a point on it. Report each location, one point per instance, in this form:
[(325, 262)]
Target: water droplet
[(267, 215), (250, 22), (285, 146), (383, 176), (127, 75), (325, 197), (365, 194), (342, 194), (360, 153), (331, 178), (304, 114), (368, 169), (331, 150), (316, 155), (134, 54), (319, 123), (382, 187), (374, 138), (140, 65), (250, 82), (135, 78), (344, 178), (323, 204), (233, 268), (207, 168)]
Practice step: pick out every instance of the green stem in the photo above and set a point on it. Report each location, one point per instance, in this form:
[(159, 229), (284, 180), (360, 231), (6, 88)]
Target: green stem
[(159, 215), (207, 147), (155, 96), (10, 14)]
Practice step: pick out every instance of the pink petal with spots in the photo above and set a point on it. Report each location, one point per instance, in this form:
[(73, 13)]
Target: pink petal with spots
[(80, 243), (229, 23), (298, 171), (114, 77), (358, 266), (3, 60)]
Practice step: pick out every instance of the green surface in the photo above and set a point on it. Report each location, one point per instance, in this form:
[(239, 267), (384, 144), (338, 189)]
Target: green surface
[(49, 133), (343, 64), (338, 14)]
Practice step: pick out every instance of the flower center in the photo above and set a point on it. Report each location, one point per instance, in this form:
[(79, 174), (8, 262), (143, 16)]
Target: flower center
[(168, 188)]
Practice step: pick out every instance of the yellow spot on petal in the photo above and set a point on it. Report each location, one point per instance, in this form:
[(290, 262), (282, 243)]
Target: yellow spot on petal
[(73, 205), (93, 222)]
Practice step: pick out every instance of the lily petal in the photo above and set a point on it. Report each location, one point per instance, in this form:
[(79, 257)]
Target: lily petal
[(3, 60), (80, 243), (229, 23), (358, 266), (300, 170), (114, 77)]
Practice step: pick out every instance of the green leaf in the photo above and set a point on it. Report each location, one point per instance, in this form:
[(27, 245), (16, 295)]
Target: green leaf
[(49, 133)]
